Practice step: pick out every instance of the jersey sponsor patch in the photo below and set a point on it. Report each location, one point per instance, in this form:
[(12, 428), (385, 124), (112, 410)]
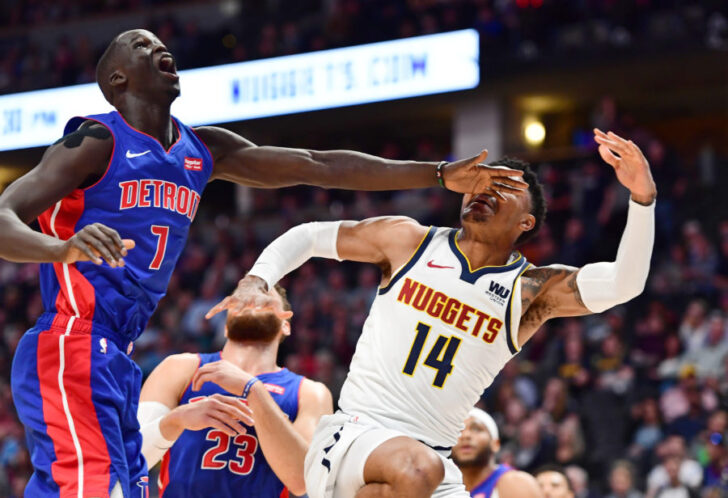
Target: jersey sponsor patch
[(193, 163), (274, 388)]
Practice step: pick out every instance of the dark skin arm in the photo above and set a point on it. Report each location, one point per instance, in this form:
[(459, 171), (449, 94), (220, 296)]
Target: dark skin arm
[(77, 160), (239, 160)]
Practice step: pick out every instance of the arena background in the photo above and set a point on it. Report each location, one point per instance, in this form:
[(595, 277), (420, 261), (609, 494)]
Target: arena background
[(632, 386)]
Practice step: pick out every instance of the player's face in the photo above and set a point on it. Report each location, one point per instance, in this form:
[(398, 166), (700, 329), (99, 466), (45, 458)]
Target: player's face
[(148, 65), (504, 212), (554, 485), (475, 447), (257, 326)]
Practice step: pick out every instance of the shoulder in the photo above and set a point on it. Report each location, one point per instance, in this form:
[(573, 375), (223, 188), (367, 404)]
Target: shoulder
[(518, 484), (179, 364), (314, 394), (169, 379), (88, 135), (221, 141)]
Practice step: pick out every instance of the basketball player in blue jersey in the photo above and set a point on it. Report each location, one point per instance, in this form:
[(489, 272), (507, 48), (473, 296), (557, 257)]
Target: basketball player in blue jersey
[(474, 454), (133, 178), (452, 308), (206, 457)]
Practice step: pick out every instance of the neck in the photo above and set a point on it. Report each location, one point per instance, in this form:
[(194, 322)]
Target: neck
[(483, 249), (152, 118), (472, 476), (254, 357)]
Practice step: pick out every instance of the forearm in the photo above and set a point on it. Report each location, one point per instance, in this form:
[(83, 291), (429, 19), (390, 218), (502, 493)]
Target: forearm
[(604, 285), (283, 447), (358, 171), (21, 244), (294, 248), (160, 428)]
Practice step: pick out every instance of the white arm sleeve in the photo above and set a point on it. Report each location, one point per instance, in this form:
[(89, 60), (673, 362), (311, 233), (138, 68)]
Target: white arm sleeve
[(295, 247), (604, 285), (154, 445)]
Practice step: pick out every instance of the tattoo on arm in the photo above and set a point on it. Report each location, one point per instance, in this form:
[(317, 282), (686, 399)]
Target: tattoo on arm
[(74, 139), (571, 282)]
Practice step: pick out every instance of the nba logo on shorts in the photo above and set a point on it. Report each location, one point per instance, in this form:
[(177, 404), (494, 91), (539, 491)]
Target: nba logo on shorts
[(102, 343), (144, 485)]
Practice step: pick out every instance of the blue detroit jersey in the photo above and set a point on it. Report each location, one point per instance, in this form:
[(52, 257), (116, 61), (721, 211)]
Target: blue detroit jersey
[(485, 489), (208, 463), (147, 194)]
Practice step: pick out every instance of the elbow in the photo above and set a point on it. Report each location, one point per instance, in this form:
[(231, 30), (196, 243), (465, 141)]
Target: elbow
[(297, 486)]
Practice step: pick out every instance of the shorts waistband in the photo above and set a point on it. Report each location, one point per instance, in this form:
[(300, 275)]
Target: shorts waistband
[(76, 325)]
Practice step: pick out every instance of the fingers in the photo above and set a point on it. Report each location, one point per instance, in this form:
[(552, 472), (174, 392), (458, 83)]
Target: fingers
[(201, 376), (608, 156), (86, 250), (219, 421), (115, 237), (236, 408), (222, 305)]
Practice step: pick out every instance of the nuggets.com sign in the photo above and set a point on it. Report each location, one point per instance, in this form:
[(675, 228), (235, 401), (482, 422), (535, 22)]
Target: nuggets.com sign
[(375, 72)]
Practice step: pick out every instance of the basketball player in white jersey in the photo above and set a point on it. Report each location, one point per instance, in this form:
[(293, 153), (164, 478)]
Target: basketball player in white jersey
[(474, 454), (452, 308)]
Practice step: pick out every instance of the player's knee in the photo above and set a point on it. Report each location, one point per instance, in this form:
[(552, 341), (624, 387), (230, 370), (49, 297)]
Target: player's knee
[(420, 472)]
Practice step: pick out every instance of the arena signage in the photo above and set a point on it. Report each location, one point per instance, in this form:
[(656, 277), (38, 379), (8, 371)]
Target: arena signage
[(362, 74)]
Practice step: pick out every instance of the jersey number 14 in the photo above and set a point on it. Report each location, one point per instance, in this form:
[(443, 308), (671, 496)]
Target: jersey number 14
[(439, 358)]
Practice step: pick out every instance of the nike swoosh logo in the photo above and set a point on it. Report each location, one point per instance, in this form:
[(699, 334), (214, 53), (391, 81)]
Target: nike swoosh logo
[(131, 154), (431, 264)]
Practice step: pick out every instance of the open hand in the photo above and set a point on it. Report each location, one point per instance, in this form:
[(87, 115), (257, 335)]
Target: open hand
[(251, 295), (471, 176), (94, 242), (630, 165)]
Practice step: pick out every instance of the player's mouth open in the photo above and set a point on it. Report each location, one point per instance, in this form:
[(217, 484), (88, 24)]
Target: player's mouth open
[(167, 65), (485, 201)]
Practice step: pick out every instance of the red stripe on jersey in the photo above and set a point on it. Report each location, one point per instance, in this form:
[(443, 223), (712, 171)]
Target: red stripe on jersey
[(76, 295), (284, 493), (163, 480), (64, 374)]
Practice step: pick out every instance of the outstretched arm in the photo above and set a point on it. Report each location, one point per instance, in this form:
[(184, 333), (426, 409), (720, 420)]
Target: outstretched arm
[(239, 160), (75, 161), (386, 241), (557, 291)]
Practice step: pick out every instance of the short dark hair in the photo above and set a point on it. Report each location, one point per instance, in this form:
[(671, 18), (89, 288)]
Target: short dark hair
[(535, 188), (105, 67), (558, 469)]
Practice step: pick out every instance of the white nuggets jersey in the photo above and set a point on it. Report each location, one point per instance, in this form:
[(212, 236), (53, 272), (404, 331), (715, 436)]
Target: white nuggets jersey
[(435, 338)]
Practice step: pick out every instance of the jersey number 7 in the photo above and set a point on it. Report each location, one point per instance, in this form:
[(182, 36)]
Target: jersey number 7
[(436, 359)]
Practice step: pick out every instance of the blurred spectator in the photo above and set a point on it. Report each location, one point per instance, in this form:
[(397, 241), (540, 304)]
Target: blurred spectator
[(621, 481), (675, 471)]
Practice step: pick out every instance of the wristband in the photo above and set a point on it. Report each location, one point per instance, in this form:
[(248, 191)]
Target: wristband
[(438, 173), (248, 386)]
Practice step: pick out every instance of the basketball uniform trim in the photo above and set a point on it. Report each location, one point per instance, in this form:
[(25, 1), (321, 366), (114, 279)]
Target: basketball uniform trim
[(166, 151), (513, 341), (212, 158), (411, 262), (468, 274)]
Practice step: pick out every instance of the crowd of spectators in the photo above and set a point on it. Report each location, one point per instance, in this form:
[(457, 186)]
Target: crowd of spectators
[(512, 31), (631, 401)]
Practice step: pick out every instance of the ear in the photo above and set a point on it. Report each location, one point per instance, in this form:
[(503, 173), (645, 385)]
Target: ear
[(286, 328), (117, 79), (527, 222)]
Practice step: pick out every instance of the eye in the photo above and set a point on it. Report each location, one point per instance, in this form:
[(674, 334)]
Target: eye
[(139, 44)]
